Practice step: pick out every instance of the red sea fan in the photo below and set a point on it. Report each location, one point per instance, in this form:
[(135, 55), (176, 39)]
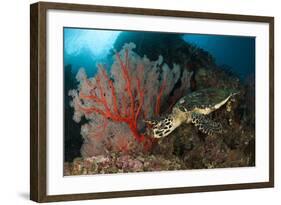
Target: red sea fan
[(115, 103)]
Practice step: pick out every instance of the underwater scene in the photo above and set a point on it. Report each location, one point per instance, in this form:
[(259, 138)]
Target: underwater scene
[(137, 101)]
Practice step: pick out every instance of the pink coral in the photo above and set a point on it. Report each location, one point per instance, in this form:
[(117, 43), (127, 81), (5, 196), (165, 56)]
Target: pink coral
[(117, 113), (115, 102)]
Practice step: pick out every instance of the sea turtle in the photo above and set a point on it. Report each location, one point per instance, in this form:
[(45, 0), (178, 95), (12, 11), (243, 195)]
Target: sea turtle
[(192, 108)]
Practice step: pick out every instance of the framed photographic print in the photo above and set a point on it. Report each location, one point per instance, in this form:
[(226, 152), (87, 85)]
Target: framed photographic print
[(134, 102)]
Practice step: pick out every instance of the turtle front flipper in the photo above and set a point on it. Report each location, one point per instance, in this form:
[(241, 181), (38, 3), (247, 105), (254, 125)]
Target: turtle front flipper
[(205, 124)]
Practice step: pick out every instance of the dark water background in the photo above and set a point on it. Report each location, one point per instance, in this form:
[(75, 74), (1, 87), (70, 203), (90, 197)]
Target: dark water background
[(86, 47)]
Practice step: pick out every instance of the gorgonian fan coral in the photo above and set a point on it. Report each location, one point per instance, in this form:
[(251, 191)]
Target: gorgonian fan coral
[(115, 102)]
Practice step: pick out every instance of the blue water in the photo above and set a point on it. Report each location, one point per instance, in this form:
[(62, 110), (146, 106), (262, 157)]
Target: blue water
[(235, 51), (86, 47)]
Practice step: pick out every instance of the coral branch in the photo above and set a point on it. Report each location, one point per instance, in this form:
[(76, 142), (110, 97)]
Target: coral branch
[(126, 76), (129, 116), (158, 98)]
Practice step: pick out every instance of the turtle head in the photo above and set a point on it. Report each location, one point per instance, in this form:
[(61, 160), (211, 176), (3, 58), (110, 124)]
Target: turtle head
[(150, 127), (159, 128)]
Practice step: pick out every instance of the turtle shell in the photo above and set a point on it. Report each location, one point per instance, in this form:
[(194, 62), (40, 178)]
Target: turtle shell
[(205, 98)]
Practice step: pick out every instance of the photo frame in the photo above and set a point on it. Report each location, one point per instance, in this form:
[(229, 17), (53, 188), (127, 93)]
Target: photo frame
[(48, 183)]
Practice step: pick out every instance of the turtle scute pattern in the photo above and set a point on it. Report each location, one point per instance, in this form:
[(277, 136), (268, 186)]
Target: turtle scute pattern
[(206, 125), (205, 98)]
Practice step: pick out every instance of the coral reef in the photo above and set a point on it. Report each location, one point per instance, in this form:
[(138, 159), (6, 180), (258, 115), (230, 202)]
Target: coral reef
[(215, 77), (116, 163), (137, 89)]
